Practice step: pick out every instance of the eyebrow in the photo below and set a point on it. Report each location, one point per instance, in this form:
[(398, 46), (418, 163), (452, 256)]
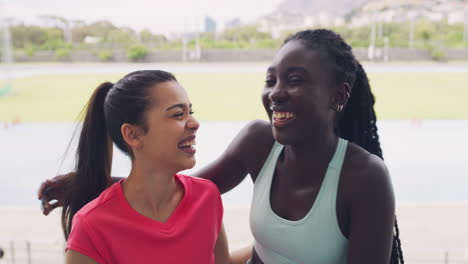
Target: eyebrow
[(296, 69), (178, 105), (290, 69)]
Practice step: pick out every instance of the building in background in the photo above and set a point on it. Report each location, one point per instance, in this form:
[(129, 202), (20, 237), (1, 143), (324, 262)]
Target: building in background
[(210, 25)]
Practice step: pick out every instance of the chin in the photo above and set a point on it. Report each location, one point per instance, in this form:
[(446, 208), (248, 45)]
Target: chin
[(189, 164), (282, 138)]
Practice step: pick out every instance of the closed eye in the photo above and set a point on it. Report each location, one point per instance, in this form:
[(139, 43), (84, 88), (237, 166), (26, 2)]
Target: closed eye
[(181, 114), (269, 83), (295, 80)]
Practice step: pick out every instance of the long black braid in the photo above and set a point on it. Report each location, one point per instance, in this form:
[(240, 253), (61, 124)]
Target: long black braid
[(357, 121)]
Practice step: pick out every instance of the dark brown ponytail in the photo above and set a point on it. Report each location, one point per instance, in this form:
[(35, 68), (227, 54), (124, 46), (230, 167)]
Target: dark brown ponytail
[(94, 158)]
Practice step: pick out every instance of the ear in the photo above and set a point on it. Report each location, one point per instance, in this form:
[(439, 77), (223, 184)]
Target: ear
[(131, 135), (340, 97)]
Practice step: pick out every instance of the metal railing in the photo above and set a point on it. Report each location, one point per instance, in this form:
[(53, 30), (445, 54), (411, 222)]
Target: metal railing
[(32, 252)]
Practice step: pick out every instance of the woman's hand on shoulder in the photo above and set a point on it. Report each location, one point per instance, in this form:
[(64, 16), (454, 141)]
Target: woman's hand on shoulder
[(52, 192)]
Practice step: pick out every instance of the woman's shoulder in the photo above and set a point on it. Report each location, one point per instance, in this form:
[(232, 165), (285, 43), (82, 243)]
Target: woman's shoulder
[(366, 173), (363, 163), (102, 203), (202, 193), (258, 130), (256, 140), (198, 184)]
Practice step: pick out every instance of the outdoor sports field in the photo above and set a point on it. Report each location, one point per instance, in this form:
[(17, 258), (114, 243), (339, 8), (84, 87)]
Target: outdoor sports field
[(236, 96)]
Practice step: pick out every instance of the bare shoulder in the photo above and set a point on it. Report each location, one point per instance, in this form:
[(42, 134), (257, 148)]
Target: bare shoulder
[(258, 131), (243, 156), (372, 207), (369, 174), (256, 140), (253, 140)]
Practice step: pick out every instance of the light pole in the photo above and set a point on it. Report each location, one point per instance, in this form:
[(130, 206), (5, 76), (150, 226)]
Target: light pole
[(371, 50), (7, 56), (465, 31), (411, 33)]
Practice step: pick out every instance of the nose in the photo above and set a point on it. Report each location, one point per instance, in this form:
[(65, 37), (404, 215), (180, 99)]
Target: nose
[(193, 124), (278, 94)]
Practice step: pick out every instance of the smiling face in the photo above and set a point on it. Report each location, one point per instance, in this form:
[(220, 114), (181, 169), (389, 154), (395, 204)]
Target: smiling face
[(297, 94), (171, 128)]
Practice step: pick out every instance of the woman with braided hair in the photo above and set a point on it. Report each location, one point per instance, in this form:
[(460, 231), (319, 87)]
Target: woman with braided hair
[(322, 193)]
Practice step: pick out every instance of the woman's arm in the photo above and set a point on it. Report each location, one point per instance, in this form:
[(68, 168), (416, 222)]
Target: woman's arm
[(245, 154), (372, 215), (52, 192), (241, 256), (222, 251), (73, 257)]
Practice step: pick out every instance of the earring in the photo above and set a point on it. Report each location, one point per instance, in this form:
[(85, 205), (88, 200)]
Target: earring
[(339, 108)]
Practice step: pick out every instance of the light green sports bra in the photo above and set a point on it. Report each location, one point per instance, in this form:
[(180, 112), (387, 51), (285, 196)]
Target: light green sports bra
[(316, 238)]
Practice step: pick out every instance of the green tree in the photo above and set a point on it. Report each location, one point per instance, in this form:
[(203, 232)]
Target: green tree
[(137, 53), (150, 39), (121, 37), (244, 33)]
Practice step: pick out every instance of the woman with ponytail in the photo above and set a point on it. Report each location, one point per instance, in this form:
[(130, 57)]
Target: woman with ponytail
[(322, 193), (155, 215), (94, 158)]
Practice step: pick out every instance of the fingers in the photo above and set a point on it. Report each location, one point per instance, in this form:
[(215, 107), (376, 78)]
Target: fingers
[(44, 189), (44, 206), (41, 190), (46, 201), (47, 207), (50, 194)]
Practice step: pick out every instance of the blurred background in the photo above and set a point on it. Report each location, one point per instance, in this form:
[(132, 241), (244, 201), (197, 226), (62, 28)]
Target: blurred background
[(55, 52)]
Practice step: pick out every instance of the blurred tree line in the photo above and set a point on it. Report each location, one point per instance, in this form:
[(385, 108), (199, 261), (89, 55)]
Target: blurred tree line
[(102, 37)]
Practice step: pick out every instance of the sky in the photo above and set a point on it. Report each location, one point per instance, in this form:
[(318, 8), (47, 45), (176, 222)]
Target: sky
[(161, 16)]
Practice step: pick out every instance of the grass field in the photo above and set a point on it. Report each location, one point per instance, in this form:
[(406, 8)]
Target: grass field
[(236, 96)]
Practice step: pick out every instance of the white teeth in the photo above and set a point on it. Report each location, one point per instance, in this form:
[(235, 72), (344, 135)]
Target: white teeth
[(188, 143), (283, 115)]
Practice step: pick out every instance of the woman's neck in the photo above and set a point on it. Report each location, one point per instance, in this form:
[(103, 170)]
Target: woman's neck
[(152, 192), (316, 142), (319, 147)]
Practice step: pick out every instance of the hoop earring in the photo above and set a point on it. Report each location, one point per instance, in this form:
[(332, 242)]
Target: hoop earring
[(339, 108)]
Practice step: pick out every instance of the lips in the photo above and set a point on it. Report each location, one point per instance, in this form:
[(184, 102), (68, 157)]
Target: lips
[(186, 145), (283, 118)]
